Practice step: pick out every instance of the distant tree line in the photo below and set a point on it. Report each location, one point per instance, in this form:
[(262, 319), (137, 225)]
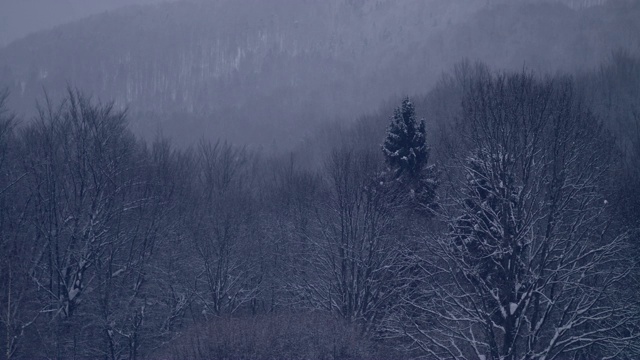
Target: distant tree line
[(520, 244)]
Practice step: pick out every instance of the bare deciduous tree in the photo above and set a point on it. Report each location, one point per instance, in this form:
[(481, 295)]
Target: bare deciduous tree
[(354, 256), (222, 231), (14, 295), (79, 158), (530, 268)]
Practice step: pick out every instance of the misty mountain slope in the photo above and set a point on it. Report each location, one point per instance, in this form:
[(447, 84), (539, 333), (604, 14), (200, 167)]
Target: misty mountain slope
[(267, 71)]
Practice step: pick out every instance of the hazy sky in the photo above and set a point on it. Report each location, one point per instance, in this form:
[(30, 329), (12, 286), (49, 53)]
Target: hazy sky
[(21, 17)]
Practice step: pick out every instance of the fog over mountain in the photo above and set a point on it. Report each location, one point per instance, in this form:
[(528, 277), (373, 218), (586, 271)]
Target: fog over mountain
[(245, 70), (19, 18)]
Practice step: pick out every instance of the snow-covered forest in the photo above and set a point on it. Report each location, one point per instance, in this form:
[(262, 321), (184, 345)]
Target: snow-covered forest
[(485, 208)]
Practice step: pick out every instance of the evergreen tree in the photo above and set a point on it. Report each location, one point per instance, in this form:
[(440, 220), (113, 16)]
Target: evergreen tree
[(405, 147), (407, 154)]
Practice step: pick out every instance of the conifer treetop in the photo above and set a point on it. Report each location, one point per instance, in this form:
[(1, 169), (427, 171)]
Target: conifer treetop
[(405, 147)]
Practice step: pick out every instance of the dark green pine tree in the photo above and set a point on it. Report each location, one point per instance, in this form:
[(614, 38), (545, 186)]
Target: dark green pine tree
[(406, 153), (405, 147)]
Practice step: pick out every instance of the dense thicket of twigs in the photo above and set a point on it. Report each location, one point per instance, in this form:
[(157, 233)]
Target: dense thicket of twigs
[(525, 246)]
